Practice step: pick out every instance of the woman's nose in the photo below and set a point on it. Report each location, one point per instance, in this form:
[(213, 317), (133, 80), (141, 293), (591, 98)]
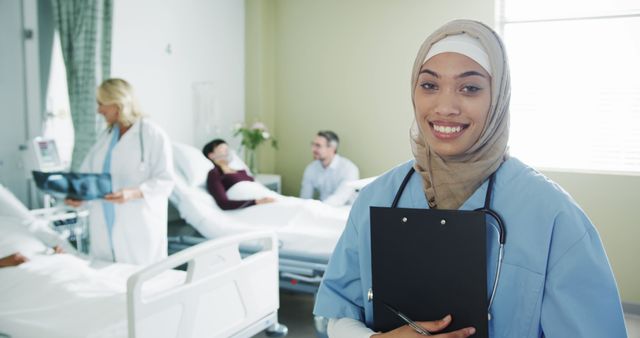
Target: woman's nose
[(447, 103)]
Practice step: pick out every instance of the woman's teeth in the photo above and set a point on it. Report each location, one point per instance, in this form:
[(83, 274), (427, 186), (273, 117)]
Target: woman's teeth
[(447, 130)]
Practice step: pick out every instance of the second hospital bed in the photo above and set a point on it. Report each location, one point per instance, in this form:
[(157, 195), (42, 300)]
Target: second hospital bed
[(307, 230), (221, 294)]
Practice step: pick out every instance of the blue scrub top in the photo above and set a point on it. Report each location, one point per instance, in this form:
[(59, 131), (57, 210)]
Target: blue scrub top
[(555, 280)]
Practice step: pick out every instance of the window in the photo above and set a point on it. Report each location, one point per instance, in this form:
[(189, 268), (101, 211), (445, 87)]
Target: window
[(575, 75), (58, 124)]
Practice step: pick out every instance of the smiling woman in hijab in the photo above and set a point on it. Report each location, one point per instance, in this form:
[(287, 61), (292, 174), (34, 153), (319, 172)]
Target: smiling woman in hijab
[(555, 278)]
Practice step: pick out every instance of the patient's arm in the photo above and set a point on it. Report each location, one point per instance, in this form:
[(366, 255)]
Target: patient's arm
[(265, 200), (13, 260), (18, 258)]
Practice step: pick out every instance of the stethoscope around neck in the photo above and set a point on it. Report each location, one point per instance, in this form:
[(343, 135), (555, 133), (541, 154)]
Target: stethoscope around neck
[(502, 235), (142, 166)]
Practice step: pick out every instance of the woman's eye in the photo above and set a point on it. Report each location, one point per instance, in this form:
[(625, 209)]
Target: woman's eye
[(471, 89), (428, 86)]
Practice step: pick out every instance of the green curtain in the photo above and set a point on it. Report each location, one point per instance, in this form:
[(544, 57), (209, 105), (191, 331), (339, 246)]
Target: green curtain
[(85, 38)]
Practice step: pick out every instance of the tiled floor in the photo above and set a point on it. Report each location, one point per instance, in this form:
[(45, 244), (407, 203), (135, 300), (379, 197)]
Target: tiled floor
[(295, 312)]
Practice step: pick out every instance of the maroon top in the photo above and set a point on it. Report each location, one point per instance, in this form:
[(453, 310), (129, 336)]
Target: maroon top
[(218, 183)]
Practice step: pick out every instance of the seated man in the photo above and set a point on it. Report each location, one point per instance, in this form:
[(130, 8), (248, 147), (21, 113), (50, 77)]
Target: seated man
[(222, 177), (328, 170)]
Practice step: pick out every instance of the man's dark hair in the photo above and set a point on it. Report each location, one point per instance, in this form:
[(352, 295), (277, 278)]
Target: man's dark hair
[(209, 147), (331, 137)]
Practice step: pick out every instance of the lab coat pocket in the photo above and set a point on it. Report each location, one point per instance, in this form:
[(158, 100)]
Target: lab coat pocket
[(517, 302)]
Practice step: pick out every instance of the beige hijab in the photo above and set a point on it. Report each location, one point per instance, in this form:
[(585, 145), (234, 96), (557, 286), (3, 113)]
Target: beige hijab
[(449, 181)]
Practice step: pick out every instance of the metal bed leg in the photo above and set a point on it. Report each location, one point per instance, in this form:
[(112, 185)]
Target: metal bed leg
[(321, 324), (277, 330)]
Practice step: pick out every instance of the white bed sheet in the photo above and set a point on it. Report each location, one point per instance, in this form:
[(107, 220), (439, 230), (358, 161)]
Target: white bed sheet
[(304, 227), (64, 296)]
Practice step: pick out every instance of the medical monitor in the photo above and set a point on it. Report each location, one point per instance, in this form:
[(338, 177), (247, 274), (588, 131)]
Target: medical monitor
[(46, 155)]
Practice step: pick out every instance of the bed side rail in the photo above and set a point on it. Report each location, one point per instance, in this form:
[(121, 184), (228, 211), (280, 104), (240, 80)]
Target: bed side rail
[(222, 294)]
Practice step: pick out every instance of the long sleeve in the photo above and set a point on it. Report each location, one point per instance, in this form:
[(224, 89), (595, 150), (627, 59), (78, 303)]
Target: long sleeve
[(306, 191), (340, 293), (161, 178), (352, 173), (580, 295), (343, 193), (219, 193), (348, 328)]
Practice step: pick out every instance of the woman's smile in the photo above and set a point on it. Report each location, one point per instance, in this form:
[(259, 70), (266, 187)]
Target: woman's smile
[(447, 130)]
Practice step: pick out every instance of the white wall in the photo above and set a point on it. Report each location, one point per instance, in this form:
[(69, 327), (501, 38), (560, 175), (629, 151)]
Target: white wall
[(165, 48), (13, 130), (20, 85)]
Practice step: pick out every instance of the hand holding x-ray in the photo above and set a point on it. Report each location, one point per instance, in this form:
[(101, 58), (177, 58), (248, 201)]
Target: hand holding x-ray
[(124, 195)]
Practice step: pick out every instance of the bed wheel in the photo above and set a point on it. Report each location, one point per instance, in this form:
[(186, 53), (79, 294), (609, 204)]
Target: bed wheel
[(277, 330)]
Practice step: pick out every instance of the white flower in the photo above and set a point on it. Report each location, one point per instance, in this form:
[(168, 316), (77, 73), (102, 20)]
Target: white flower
[(265, 135), (237, 126), (259, 125)]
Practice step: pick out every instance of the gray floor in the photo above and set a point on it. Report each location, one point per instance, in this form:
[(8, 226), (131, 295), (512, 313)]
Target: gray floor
[(633, 325), (296, 312)]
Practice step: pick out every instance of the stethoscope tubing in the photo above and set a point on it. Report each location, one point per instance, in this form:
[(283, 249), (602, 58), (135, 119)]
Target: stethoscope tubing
[(497, 278), (141, 166)]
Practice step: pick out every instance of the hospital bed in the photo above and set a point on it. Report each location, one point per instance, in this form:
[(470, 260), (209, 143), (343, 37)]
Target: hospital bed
[(221, 293), (307, 230)]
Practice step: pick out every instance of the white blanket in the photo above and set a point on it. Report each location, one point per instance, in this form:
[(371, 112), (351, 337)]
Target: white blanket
[(306, 227), (63, 296)]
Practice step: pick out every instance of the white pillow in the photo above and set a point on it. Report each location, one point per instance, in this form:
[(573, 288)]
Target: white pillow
[(237, 163), (191, 164), (16, 237)]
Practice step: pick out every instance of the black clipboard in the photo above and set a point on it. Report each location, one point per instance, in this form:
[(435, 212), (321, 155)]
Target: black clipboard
[(427, 264)]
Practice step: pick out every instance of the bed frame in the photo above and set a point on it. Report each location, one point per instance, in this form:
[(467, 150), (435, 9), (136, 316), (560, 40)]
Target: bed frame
[(297, 272), (225, 293)]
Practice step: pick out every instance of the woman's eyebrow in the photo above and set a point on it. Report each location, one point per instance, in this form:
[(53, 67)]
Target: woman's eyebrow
[(463, 75), (470, 73), (428, 71)]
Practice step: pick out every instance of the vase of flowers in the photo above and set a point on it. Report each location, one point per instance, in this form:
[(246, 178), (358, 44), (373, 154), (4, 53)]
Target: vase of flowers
[(252, 138)]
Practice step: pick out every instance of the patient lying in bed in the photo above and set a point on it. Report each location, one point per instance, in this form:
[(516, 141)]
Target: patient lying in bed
[(222, 177), (18, 258), (66, 296)]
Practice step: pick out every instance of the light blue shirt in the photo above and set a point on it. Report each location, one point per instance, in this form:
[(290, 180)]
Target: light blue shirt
[(555, 281), (327, 180)]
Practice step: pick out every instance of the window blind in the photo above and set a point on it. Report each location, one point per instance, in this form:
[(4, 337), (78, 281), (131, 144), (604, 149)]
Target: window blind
[(575, 69)]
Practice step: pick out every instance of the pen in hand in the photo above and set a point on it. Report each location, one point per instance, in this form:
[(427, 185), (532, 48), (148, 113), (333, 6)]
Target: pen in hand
[(415, 326)]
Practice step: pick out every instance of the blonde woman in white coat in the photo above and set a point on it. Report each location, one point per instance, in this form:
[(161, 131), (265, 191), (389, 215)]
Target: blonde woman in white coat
[(130, 224)]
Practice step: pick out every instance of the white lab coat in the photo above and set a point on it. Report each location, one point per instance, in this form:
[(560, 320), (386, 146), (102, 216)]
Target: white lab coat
[(140, 227)]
